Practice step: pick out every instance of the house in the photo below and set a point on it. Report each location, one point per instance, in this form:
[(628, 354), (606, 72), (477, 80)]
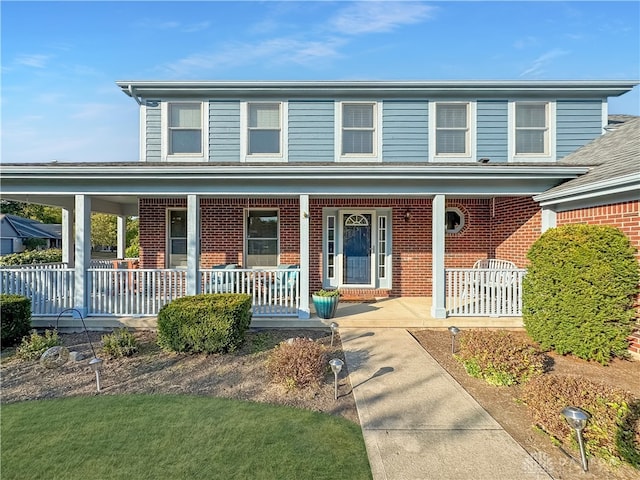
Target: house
[(381, 189), (17, 231)]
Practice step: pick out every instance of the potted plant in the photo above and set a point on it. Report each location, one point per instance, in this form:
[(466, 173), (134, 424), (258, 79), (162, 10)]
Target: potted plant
[(326, 302)]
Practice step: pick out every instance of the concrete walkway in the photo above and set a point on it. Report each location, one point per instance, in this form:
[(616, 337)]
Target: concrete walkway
[(418, 422)]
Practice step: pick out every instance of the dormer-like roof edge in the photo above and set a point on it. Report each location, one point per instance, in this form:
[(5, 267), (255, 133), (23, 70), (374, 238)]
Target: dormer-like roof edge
[(481, 88)]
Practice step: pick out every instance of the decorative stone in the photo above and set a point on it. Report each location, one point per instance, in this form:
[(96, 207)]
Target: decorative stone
[(76, 356)]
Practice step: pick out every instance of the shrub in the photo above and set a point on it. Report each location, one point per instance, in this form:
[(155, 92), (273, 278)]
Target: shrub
[(298, 362), (15, 311), (612, 432), (206, 323), (579, 291), (499, 357), (32, 257), (34, 345), (120, 343)]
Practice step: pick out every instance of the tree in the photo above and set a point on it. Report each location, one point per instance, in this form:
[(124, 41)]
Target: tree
[(41, 213), (104, 230)]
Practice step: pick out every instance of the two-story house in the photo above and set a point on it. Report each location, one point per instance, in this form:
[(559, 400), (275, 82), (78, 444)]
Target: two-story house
[(381, 189)]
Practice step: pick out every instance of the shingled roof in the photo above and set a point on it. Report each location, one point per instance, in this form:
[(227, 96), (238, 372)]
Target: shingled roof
[(613, 156)]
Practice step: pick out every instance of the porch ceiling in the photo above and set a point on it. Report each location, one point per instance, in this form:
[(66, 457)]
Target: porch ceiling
[(117, 186)]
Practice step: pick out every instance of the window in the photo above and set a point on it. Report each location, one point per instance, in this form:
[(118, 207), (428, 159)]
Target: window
[(177, 242), (358, 129), (453, 219), (262, 238), (531, 128), (452, 129), (185, 128), (264, 125)]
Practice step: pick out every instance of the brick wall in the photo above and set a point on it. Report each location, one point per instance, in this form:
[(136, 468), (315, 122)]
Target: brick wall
[(504, 229)]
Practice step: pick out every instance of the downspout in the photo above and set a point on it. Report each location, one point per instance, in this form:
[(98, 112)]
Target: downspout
[(133, 95)]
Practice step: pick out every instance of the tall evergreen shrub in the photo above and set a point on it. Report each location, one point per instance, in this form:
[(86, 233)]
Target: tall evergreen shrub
[(580, 290), (15, 318)]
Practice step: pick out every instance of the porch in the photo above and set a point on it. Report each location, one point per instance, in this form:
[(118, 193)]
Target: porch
[(133, 297)]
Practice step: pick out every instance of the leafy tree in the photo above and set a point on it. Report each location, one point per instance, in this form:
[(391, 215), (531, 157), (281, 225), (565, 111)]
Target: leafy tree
[(104, 229), (41, 213)]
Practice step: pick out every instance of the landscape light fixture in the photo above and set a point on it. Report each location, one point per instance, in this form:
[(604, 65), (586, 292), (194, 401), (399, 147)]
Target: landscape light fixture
[(334, 328), (336, 365), (453, 331), (577, 419)]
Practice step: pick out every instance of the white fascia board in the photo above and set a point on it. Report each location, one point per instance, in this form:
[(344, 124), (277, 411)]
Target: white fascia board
[(615, 186)]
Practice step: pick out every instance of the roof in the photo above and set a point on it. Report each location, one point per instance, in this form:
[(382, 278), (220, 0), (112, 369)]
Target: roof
[(479, 88), (27, 228), (615, 164)]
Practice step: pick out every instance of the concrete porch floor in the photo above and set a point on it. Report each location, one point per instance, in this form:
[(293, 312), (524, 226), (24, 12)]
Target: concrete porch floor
[(404, 312)]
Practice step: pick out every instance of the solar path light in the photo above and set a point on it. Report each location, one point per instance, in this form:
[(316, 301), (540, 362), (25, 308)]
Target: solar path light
[(336, 365), (577, 419), (453, 331), (334, 328)]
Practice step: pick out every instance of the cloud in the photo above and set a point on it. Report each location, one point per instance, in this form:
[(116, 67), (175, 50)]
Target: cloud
[(34, 60), (537, 66), (378, 17), (150, 23), (272, 51), (526, 42)]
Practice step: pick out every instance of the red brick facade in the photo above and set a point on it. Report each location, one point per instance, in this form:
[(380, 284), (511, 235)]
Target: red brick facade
[(503, 228)]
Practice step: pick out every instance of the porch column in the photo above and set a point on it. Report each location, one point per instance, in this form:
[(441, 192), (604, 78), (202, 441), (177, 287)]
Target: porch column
[(303, 311), (67, 237), (193, 245), (122, 236), (548, 219), (82, 252), (438, 294)]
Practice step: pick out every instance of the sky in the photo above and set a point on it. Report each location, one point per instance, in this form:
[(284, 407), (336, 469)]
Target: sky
[(60, 60)]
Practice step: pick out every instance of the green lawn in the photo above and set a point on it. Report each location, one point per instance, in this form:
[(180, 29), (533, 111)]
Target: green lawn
[(176, 437)]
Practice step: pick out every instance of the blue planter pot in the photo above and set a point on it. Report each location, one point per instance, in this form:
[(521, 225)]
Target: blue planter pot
[(325, 306)]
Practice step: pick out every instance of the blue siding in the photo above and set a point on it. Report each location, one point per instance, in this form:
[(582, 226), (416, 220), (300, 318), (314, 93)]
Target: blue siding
[(493, 130), (224, 131), (405, 131), (311, 131), (153, 132), (577, 123)]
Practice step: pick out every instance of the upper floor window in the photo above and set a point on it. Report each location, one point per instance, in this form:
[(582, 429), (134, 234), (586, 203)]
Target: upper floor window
[(532, 129), (358, 129), (452, 129), (264, 129), (185, 128), (262, 238)]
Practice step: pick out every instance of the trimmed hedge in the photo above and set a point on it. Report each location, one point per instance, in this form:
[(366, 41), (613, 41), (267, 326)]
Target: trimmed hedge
[(207, 323), (15, 311), (32, 257), (499, 357), (580, 290), (612, 432)]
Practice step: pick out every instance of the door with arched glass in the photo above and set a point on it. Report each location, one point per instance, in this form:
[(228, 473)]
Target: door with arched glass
[(357, 249)]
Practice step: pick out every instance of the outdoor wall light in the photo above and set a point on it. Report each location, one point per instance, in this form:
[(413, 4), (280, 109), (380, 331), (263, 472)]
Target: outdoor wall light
[(336, 365), (453, 331), (334, 328), (407, 216), (577, 419)]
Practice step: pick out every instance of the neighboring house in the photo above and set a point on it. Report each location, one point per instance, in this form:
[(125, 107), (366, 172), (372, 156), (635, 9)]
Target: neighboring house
[(381, 189), (15, 230)]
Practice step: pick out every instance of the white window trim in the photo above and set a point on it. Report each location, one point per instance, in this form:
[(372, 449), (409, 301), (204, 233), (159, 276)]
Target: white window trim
[(244, 133), (245, 238), (164, 128), (462, 220), (550, 155), (472, 138), (376, 156)]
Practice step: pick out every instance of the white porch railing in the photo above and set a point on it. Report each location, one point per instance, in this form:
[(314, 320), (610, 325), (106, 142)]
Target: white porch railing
[(120, 292), (479, 292), (51, 290)]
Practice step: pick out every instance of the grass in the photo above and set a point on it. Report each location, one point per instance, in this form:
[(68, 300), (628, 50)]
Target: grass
[(172, 437)]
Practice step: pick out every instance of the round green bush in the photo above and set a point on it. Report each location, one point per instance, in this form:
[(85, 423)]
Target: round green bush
[(207, 323), (15, 311), (580, 290)]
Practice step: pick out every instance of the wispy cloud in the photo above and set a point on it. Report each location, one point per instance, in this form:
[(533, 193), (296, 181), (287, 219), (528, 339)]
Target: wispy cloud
[(275, 51), (526, 42), (538, 65), (376, 17), (156, 24), (34, 60)]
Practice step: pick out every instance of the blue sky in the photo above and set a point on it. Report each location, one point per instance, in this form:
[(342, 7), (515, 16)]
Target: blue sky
[(60, 59)]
